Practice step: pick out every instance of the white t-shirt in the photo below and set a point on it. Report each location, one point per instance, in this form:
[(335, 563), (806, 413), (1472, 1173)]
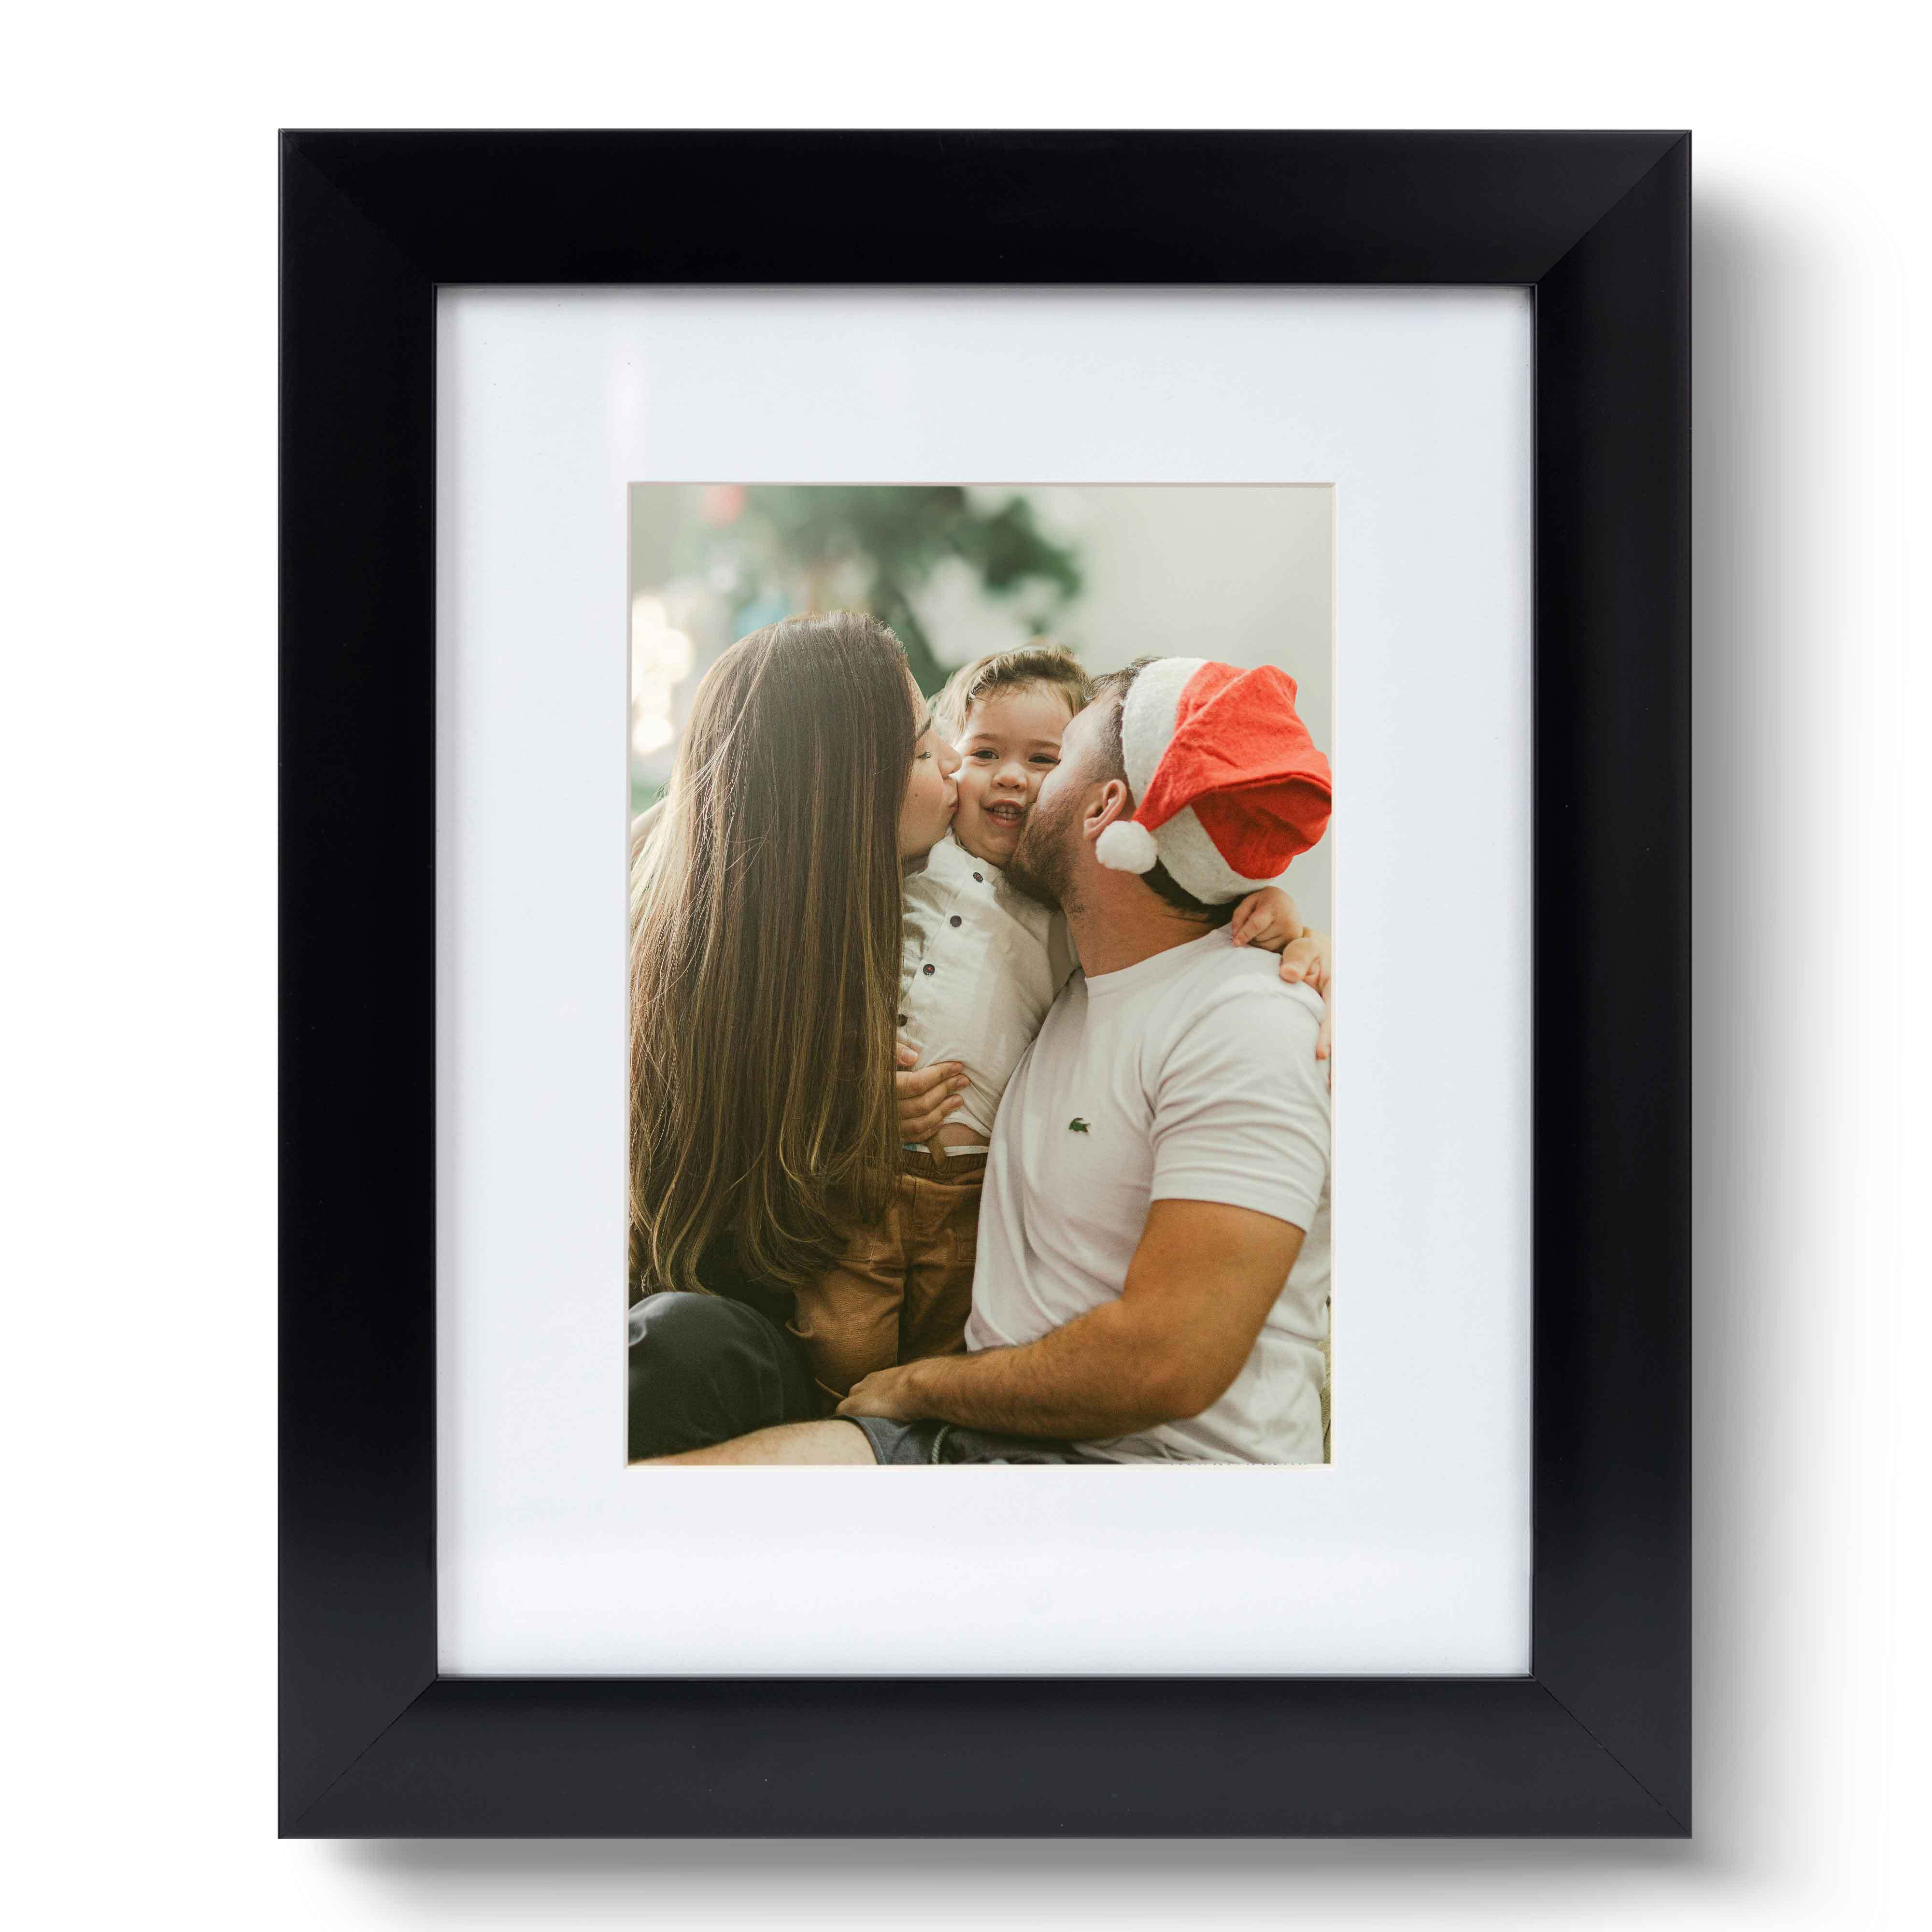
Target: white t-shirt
[(1191, 1076), (980, 966)]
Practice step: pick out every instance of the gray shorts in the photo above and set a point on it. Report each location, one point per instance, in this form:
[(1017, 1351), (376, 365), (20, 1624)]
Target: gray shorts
[(931, 1442)]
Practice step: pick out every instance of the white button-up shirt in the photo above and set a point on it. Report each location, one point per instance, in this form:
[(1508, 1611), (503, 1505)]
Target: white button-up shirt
[(981, 965)]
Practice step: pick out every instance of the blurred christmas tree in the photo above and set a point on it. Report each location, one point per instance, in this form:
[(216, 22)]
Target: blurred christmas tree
[(777, 548)]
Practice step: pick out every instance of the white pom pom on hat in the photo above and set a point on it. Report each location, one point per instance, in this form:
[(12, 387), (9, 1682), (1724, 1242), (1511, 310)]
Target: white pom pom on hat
[(1127, 846)]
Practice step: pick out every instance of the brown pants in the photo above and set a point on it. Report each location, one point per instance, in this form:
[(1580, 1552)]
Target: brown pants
[(903, 1287)]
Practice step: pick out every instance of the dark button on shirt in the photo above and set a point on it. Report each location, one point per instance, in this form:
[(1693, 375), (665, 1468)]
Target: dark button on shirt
[(955, 919), (926, 969)]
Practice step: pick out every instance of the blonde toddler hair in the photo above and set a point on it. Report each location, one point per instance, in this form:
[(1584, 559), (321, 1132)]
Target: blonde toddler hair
[(1040, 662)]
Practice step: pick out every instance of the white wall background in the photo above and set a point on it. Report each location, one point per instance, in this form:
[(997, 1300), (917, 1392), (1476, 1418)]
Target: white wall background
[(138, 1163)]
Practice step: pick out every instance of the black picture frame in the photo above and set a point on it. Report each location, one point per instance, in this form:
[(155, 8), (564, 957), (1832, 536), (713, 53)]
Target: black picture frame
[(1595, 1740)]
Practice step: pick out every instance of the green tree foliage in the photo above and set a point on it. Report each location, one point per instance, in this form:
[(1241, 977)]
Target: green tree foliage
[(789, 539)]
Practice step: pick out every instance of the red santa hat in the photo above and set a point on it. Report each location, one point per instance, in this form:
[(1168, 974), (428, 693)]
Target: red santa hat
[(1228, 783)]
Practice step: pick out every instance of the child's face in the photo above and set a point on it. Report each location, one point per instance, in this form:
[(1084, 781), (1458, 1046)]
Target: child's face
[(1010, 743)]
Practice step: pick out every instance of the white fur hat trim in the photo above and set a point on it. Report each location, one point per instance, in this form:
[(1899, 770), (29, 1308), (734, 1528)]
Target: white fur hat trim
[(1127, 846), (1182, 844)]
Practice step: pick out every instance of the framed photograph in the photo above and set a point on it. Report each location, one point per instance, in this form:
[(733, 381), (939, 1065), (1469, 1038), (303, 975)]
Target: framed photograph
[(1031, 650), (844, 696)]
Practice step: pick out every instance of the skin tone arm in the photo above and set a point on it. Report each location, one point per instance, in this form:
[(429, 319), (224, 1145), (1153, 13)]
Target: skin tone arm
[(1198, 1290), (1271, 919)]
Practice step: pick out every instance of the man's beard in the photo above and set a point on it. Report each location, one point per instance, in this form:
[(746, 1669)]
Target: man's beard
[(1040, 866)]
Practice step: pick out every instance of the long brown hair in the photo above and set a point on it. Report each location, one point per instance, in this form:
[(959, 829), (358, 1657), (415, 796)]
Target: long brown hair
[(765, 911)]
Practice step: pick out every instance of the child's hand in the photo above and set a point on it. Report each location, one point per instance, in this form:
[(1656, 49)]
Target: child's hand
[(1310, 961), (928, 1096), (1268, 918)]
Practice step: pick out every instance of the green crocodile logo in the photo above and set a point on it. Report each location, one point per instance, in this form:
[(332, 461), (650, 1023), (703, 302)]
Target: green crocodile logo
[(1076, 1125)]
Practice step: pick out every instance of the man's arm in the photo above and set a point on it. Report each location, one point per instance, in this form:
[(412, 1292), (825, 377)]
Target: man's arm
[(1198, 1290)]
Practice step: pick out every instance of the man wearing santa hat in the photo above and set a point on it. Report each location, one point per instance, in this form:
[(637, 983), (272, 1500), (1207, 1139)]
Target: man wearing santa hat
[(1152, 1282)]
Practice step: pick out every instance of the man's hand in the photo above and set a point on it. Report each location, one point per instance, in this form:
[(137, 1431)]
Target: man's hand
[(1197, 1292), (889, 1393), (928, 1096)]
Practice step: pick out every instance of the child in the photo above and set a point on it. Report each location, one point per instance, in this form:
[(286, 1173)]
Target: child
[(982, 963)]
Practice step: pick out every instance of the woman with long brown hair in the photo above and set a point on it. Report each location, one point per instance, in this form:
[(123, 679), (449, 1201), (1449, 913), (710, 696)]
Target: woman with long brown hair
[(767, 1108)]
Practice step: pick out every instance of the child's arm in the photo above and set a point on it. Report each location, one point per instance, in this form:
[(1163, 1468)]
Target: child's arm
[(1271, 919)]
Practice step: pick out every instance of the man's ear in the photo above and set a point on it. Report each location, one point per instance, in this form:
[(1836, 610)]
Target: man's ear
[(1112, 801)]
